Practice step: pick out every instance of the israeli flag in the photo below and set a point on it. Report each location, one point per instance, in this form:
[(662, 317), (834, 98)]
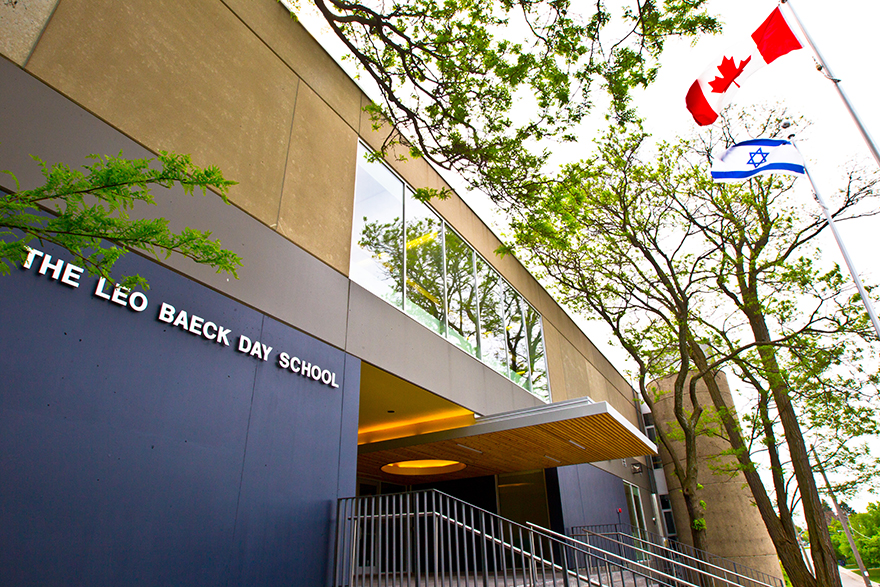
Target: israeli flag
[(757, 157)]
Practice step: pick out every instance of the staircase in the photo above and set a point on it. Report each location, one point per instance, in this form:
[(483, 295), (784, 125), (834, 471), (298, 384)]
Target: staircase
[(635, 543), (430, 539)]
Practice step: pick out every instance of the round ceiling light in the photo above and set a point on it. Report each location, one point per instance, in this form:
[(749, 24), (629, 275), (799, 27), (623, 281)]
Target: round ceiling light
[(423, 467)]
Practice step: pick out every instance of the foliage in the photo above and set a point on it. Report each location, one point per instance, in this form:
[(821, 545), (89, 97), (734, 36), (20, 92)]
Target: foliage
[(476, 86), (92, 207), (865, 529), (693, 277), (866, 534)]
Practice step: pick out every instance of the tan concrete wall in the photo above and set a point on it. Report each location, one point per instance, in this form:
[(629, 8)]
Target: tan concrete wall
[(240, 85), (735, 529), (21, 23), (198, 77)]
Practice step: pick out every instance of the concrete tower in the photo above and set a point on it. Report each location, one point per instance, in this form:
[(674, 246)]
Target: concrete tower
[(734, 526)]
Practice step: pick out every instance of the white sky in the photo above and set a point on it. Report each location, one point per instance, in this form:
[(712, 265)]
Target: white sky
[(844, 32)]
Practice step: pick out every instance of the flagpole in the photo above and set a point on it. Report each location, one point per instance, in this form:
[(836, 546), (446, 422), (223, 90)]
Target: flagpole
[(852, 269), (823, 67)]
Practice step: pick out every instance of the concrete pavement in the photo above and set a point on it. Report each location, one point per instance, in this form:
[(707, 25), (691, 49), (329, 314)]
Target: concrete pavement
[(852, 579)]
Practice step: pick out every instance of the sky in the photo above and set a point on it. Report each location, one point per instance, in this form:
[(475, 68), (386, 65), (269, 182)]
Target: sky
[(843, 32)]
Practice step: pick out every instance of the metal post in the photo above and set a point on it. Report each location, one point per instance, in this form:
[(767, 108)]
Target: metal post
[(844, 521), (823, 67), (408, 531), (435, 534), (485, 553), (417, 546), (852, 269)]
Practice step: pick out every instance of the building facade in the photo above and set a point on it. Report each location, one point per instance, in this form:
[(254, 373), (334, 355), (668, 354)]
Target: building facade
[(200, 432)]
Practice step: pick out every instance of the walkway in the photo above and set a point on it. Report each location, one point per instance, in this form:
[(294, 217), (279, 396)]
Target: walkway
[(852, 579)]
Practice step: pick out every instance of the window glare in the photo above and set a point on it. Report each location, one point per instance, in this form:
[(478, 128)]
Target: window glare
[(425, 295), (461, 293), (377, 248), (403, 252), (517, 342)]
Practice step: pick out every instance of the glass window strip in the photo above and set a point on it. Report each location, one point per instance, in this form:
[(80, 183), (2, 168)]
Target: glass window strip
[(503, 285)]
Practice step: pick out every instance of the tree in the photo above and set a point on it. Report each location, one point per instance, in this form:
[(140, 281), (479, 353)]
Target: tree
[(458, 90), (85, 210), (866, 532), (693, 277)]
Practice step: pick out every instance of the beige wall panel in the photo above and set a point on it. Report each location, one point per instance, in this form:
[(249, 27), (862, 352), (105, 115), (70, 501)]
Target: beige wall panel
[(579, 377), (555, 366), (623, 402), (318, 197), (577, 381), (20, 25), (178, 76), (287, 37)]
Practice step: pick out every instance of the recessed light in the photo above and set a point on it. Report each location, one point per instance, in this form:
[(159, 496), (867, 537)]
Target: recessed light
[(580, 446), (423, 467), (479, 452), (552, 459)]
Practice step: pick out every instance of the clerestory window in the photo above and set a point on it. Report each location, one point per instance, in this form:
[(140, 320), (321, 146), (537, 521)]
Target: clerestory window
[(405, 253)]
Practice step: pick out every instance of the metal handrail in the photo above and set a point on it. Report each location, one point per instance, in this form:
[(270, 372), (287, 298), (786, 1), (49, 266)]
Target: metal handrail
[(428, 538), (718, 573), (675, 551)]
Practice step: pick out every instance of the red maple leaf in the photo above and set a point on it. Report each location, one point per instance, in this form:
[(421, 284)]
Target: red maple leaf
[(729, 72)]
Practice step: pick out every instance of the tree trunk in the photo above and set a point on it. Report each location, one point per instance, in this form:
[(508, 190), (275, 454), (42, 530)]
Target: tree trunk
[(786, 544), (696, 514), (821, 550)]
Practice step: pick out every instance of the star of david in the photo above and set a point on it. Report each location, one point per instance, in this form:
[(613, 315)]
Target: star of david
[(758, 153)]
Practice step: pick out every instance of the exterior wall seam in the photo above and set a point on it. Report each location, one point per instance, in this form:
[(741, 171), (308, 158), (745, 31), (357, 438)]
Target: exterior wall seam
[(287, 156), (302, 80), (247, 435), (40, 36)]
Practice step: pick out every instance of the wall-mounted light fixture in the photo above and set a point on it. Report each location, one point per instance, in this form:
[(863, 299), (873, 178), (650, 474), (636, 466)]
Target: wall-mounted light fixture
[(637, 468)]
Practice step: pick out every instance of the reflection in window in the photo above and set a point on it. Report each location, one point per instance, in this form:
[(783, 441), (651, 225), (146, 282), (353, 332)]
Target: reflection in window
[(537, 361), (516, 338), (424, 266), (377, 247), (492, 346), (403, 252), (461, 293)]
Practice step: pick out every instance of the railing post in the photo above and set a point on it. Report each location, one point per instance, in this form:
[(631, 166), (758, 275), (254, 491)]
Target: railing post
[(410, 511), (417, 545), (435, 532)]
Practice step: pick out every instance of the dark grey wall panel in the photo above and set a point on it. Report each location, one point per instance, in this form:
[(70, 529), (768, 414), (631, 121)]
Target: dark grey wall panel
[(591, 496), (278, 277), (134, 452), (292, 451), (383, 335)]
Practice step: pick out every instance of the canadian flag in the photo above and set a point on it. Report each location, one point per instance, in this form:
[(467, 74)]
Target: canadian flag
[(717, 85)]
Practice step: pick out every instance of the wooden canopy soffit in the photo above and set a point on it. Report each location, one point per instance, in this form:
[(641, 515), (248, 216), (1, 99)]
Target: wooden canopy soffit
[(554, 435)]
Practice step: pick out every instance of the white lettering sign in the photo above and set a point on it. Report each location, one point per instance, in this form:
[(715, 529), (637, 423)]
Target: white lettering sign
[(297, 365), (69, 274)]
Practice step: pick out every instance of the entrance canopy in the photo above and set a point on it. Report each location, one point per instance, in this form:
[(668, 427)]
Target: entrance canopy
[(553, 435)]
